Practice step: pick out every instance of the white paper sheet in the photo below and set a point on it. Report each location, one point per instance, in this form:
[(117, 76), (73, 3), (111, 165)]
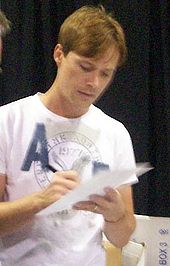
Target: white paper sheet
[(96, 185)]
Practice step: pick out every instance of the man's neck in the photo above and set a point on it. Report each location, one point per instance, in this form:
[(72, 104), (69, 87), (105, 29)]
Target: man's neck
[(59, 106)]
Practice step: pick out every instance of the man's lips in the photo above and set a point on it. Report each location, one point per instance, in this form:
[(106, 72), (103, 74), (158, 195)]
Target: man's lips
[(86, 94)]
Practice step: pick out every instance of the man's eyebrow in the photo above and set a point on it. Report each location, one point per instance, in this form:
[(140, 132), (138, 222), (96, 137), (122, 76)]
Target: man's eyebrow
[(110, 70), (83, 61)]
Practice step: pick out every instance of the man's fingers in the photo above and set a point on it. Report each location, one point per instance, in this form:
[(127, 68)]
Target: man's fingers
[(71, 174), (111, 194), (69, 179), (87, 206), (62, 181)]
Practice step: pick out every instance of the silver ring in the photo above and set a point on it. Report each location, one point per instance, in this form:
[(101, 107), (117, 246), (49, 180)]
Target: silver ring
[(95, 208)]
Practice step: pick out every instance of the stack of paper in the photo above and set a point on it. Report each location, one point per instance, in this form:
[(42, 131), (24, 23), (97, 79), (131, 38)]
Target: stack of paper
[(96, 185)]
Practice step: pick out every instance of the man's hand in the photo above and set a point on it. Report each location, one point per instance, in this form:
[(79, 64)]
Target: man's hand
[(111, 205), (61, 184), (116, 206)]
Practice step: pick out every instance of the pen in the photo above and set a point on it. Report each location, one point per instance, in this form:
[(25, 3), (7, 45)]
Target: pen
[(51, 168), (78, 165)]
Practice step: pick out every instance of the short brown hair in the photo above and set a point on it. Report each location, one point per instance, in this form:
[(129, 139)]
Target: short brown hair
[(89, 31), (4, 23)]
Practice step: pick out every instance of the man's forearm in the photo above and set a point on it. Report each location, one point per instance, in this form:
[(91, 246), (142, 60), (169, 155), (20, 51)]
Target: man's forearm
[(118, 233), (15, 214)]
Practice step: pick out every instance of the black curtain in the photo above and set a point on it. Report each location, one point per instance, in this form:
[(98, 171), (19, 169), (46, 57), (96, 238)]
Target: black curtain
[(139, 95)]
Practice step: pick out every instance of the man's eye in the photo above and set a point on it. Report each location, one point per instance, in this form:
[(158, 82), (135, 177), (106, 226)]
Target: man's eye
[(105, 74), (85, 68)]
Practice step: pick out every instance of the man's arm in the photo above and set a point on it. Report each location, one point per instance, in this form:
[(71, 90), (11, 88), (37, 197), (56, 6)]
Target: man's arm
[(15, 214), (118, 228), (116, 206)]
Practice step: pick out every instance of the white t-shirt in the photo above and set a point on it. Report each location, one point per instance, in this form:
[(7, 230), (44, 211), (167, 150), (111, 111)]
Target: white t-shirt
[(32, 137)]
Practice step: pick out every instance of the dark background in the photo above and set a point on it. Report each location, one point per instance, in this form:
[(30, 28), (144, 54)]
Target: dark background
[(139, 96)]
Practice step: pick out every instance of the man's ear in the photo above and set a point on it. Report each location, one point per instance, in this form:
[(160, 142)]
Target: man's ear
[(58, 54)]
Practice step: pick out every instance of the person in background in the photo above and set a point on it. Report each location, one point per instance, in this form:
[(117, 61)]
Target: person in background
[(52, 142), (4, 28)]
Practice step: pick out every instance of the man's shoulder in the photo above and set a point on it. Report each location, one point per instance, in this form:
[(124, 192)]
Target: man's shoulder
[(106, 119), (11, 109), (110, 126), (18, 102)]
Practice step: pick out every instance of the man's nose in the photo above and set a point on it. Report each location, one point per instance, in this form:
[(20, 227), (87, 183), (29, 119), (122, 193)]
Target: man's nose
[(94, 80)]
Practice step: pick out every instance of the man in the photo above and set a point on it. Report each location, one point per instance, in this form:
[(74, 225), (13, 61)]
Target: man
[(4, 28), (52, 142)]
